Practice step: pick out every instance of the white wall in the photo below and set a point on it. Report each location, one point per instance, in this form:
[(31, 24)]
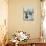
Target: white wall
[(16, 21)]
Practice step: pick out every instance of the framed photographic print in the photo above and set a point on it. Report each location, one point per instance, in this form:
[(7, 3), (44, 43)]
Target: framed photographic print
[(28, 13)]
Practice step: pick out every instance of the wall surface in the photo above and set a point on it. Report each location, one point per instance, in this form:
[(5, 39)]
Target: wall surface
[(16, 21)]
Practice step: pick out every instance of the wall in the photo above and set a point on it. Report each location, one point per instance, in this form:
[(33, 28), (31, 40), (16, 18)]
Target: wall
[(16, 21)]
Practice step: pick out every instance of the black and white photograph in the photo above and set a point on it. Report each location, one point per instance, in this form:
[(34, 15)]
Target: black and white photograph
[(28, 14)]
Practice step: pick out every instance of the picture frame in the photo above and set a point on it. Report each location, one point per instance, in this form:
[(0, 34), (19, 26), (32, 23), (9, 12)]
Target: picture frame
[(28, 14)]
